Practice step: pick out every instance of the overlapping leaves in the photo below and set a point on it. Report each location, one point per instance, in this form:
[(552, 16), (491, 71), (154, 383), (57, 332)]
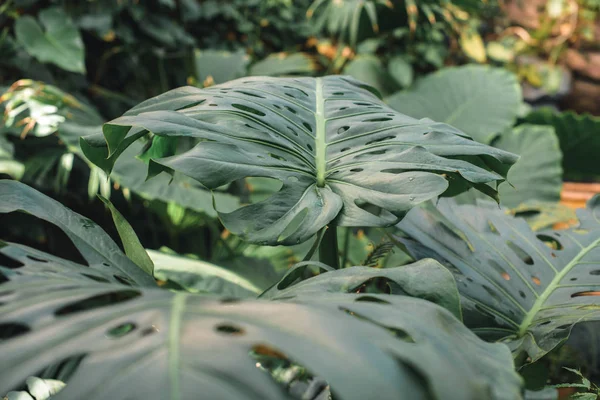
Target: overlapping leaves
[(120, 340), (527, 288), (340, 153)]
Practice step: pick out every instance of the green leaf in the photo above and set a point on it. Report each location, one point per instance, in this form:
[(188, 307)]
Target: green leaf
[(336, 148), (131, 244), (479, 100), (222, 66), (95, 246), (401, 70), (59, 44), (537, 175), (579, 137), (425, 279), (522, 287), (156, 344), (281, 64), (370, 69), (200, 276)]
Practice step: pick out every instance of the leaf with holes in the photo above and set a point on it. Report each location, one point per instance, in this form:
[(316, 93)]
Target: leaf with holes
[(425, 279), (95, 246), (110, 341), (522, 287), (339, 152)]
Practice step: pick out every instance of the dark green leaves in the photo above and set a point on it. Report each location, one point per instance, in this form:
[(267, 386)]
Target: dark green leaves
[(341, 155), (95, 246), (526, 288), (59, 44)]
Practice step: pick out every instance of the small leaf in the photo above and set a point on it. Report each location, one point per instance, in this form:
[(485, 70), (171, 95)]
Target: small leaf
[(133, 248)]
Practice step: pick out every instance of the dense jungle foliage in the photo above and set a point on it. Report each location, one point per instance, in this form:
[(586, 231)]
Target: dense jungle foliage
[(299, 199)]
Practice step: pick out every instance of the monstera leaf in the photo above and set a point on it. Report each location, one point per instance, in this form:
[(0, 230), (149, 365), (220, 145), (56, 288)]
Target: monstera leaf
[(339, 152), (122, 342), (523, 287), (425, 279)]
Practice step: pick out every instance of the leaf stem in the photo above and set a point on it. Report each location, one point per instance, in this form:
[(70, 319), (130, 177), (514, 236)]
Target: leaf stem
[(328, 250)]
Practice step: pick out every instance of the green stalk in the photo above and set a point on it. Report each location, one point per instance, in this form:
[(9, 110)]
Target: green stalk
[(328, 250)]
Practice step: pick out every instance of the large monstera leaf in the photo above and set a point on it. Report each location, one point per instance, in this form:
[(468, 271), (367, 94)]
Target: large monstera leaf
[(123, 342), (523, 287), (339, 152)]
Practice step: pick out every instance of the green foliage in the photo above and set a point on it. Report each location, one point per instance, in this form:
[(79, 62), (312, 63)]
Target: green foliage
[(152, 332), (324, 141), (579, 137), (523, 288)]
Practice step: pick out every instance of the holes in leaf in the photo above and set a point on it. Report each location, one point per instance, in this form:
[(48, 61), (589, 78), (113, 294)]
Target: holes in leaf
[(550, 242), (363, 104), (3, 278), (522, 294), (307, 126), (193, 104), (106, 264), (573, 279), (11, 330), (342, 108), (382, 119), (520, 253), (249, 109), (9, 262), (229, 300), (374, 285), (293, 131), (36, 259), (566, 326), (493, 294), (586, 293), (545, 323), (344, 149), (277, 157), (149, 331), (595, 272), (122, 280), (338, 93), (309, 147), (401, 334), (290, 109), (375, 153), (249, 94), (230, 329), (356, 170), (96, 278), (290, 95), (380, 140), (121, 330), (98, 301), (371, 299), (213, 105), (277, 106), (342, 129)]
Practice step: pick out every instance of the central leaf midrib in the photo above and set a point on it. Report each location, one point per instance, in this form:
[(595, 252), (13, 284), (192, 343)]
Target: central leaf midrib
[(320, 143), (537, 306)]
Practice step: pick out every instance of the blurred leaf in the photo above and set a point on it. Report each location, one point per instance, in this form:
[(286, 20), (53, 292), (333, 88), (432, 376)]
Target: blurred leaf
[(537, 175), (221, 66), (370, 69), (472, 44), (401, 70), (282, 64), (59, 44), (200, 276), (133, 248), (579, 137), (479, 100)]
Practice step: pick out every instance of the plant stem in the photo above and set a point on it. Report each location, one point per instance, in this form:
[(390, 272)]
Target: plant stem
[(328, 250)]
